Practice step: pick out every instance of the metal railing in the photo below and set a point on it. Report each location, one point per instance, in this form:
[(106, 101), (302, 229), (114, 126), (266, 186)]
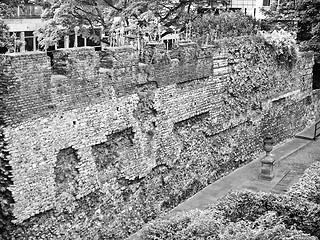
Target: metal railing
[(316, 128)]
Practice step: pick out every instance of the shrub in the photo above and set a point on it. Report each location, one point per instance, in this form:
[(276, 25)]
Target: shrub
[(268, 226), (242, 205), (196, 224), (284, 45), (308, 186), (203, 225), (243, 215), (248, 215), (166, 229), (249, 206)]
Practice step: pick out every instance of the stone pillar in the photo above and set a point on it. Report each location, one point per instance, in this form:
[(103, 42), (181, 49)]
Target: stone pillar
[(267, 161), (66, 41), (22, 38)]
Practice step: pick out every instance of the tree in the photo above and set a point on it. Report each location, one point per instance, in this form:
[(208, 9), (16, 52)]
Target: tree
[(7, 10), (6, 42), (307, 15), (66, 16)]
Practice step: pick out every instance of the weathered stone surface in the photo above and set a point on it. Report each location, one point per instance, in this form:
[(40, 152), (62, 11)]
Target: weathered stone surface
[(102, 145)]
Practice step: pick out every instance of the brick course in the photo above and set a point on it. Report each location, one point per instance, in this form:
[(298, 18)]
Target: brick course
[(140, 117)]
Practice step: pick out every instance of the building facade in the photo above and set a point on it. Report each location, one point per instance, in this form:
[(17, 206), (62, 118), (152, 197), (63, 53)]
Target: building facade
[(28, 19), (251, 7)]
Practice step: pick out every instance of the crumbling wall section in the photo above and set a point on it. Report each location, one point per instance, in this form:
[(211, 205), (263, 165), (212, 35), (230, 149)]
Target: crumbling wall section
[(74, 82), (125, 141)]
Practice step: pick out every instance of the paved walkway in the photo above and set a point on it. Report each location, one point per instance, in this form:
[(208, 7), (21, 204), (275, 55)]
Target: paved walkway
[(292, 158)]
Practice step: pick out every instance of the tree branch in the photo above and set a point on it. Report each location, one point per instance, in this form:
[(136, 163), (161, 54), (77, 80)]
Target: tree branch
[(112, 5), (172, 10)]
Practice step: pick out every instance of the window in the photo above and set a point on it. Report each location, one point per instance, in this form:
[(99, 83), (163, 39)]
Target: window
[(29, 41), (71, 41), (266, 3), (29, 10), (80, 41), (60, 43), (92, 43)]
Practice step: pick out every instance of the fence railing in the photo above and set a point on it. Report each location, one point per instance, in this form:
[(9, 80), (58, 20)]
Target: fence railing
[(316, 128)]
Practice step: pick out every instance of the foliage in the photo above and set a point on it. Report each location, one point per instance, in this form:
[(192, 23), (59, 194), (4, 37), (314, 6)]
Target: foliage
[(248, 215), (306, 13), (284, 44), (268, 226), (196, 224), (7, 9), (246, 205), (243, 215), (308, 186), (67, 17), (209, 27), (233, 218), (5, 40), (64, 16), (256, 73)]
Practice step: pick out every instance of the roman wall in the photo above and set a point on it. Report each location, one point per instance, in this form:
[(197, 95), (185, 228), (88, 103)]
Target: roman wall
[(103, 142)]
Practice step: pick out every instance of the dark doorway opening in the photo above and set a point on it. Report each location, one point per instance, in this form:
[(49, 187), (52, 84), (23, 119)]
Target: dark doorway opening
[(316, 76)]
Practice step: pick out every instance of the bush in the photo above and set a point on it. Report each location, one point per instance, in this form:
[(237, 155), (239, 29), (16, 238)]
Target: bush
[(248, 215), (308, 186), (243, 215), (268, 226), (249, 206), (242, 205), (196, 224), (284, 45)]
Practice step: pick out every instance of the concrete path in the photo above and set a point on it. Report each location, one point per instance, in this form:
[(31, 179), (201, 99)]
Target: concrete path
[(292, 158)]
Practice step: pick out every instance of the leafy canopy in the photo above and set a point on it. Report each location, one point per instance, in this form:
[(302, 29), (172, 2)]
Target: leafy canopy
[(67, 16), (307, 14)]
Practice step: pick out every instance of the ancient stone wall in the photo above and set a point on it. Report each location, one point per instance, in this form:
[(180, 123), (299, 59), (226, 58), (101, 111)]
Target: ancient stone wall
[(25, 79), (104, 143)]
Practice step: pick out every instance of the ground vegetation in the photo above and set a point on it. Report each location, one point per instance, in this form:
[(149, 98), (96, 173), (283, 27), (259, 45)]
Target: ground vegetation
[(248, 215)]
